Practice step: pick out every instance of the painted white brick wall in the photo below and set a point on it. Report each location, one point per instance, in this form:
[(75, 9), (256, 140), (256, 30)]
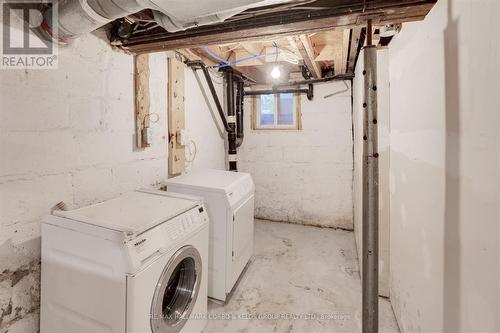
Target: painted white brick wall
[(305, 176), (68, 135), (200, 124)]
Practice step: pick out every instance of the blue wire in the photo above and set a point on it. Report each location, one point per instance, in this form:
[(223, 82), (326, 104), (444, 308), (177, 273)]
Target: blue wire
[(215, 56), (227, 64)]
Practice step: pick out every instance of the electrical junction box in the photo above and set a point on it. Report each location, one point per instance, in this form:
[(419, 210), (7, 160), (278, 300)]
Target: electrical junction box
[(147, 136), (183, 138)]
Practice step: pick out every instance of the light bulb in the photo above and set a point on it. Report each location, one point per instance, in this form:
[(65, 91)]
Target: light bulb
[(275, 73)]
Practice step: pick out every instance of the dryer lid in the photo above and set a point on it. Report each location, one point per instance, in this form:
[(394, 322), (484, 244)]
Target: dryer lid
[(210, 180), (133, 212)]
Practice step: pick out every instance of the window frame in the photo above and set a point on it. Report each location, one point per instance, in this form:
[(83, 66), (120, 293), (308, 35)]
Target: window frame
[(297, 119)]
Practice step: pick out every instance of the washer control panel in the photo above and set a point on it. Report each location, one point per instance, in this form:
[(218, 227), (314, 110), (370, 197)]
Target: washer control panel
[(160, 239)]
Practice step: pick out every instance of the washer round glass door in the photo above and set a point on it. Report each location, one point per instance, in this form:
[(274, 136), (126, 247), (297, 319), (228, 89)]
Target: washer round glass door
[(176, 291)]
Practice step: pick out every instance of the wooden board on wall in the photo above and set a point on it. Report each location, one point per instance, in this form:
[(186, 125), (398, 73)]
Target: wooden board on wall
[(176, 116), (142, 102)]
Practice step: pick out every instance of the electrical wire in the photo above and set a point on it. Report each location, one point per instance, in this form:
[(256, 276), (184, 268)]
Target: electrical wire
[(226, 63), (338, 92), (277, 51), (148, 116), (216, 57), (217, 78)]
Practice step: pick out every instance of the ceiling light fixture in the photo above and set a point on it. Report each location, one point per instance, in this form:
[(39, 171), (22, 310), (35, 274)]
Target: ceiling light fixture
[(276, 72)]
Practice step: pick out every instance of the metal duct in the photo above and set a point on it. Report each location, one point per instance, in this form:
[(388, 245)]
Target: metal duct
[(78, 17), (177, 15)]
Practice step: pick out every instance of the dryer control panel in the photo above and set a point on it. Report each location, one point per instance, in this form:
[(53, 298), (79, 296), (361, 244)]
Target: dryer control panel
[(240, 191), (153, 243)]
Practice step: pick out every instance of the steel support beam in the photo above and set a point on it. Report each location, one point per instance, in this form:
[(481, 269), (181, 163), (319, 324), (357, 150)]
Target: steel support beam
[(370, 190)]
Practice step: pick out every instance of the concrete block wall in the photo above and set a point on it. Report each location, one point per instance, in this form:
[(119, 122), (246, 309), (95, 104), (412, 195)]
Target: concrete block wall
[(68, 135), (305, 176), (201, 125)]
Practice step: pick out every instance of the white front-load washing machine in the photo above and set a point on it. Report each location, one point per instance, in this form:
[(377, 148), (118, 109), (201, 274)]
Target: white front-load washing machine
[(137, 263)]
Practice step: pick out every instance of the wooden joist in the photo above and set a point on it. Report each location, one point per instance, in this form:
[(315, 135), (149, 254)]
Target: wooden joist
[(342, 69), (252, 49), (381, 12), (293, 46), (353, 48), (308, 56), (330, 45), (251, 72)]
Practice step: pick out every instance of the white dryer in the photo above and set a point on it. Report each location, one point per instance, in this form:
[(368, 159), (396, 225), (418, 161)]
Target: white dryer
[(137, 263), (229, 198)]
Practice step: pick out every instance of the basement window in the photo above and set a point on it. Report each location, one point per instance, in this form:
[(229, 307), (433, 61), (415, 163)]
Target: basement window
[(276, 111)]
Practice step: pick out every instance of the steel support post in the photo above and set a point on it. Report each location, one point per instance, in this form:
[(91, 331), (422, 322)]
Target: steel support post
[(370, 190)]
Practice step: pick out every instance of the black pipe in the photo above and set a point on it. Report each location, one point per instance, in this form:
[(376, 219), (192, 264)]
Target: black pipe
[(230, 123), (231, 135), (198, 64), (309, 91), (216, 98), (340, 77), (239, 113), (271, 91)]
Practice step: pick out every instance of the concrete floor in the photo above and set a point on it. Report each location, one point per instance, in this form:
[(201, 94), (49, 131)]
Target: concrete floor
[(298, 271)]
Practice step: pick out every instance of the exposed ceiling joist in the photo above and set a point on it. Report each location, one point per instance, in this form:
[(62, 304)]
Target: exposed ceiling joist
[(342, 68), (339, 15), (253, 48), (293, 46), (328, 52), (242, 54), (308, 56), (253, 73), (325, 53), (353, 48)]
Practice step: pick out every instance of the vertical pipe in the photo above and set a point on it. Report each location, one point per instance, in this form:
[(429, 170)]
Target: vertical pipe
[(240, 131), (231, 120), (215, 97), (370, 190), (369, 33)]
